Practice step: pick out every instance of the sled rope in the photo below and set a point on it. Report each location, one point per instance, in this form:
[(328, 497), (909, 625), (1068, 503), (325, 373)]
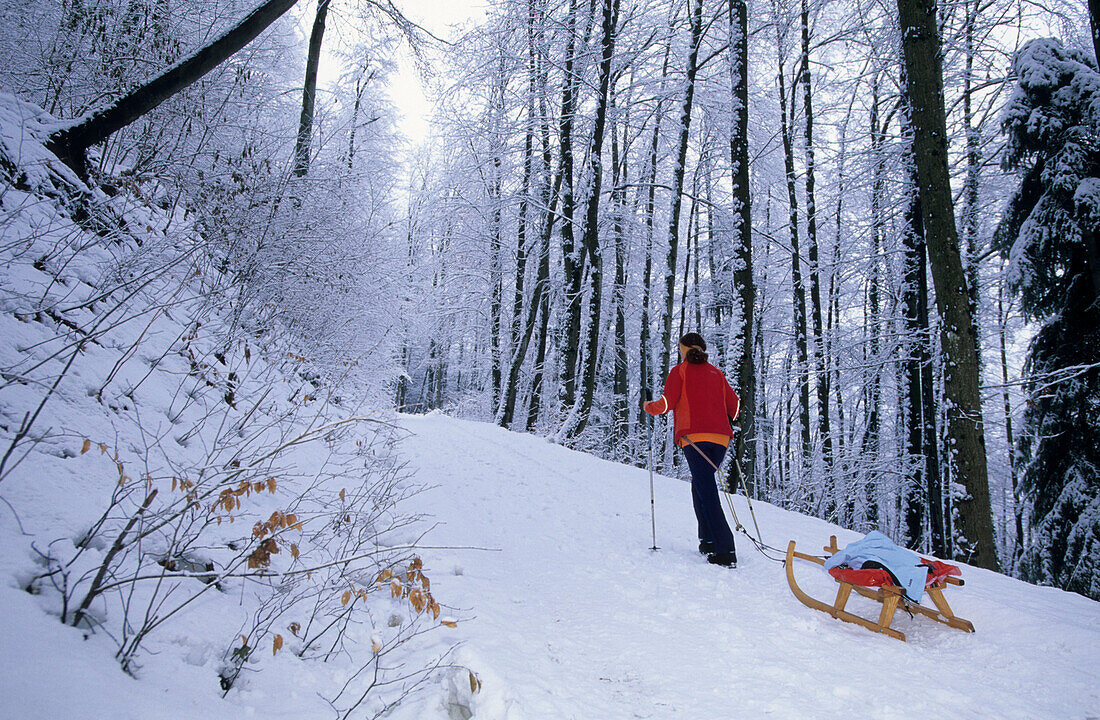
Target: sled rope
[(757, 541)]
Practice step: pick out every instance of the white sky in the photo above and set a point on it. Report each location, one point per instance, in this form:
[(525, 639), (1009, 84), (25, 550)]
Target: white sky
[(438, 17)]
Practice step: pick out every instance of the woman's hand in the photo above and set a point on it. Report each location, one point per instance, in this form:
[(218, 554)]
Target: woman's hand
[(655, 407)]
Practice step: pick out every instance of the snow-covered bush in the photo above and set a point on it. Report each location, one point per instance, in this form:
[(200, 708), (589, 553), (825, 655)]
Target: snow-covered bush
[(169, 464)]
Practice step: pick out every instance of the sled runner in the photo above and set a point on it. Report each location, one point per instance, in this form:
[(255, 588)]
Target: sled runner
[(880, 585)]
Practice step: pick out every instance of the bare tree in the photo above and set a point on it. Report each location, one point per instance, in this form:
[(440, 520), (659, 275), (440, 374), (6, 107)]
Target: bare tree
[(679, 169), (802, 369), (742, 200), (591, 244), (309, 90)]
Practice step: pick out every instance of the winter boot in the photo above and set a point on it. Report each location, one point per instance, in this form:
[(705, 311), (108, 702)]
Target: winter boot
[(725, 559), (706, 547)]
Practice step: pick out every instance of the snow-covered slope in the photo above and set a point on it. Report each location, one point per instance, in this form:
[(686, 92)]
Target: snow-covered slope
[(183, 495), (572, 616), (542, 555), (553, 605)]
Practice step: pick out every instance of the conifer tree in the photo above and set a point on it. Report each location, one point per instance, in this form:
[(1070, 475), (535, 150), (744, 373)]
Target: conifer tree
[(1049, 233)]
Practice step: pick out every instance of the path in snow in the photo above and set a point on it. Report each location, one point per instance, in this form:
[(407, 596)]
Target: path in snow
[(574, 616)]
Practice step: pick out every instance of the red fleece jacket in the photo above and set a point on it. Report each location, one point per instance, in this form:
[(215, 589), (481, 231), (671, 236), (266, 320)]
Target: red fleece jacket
[(701, 401)]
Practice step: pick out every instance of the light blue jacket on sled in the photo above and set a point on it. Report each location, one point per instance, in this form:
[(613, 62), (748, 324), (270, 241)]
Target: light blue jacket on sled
[(904, 564)]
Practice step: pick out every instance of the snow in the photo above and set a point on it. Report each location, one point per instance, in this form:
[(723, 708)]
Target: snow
[(137, 389), (1087, 198), (539, 555), (578, 618), (542, 555), (23, 129)]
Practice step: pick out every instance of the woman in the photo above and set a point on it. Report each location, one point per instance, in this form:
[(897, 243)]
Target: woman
[(702, 403)]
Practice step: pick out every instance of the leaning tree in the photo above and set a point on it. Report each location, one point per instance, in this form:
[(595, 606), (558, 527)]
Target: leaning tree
[(71, 142)]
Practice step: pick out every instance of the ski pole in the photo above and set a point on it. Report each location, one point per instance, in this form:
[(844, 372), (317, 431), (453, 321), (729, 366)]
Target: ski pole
[(649, 463)]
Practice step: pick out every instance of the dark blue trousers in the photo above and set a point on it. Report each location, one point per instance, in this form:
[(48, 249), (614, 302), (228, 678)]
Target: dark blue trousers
[(704, 495)]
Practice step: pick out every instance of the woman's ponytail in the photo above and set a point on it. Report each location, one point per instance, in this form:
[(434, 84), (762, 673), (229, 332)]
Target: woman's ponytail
[(697, 347)]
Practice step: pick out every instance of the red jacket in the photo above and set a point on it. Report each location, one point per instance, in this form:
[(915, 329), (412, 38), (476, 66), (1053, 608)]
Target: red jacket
[(701, 400)]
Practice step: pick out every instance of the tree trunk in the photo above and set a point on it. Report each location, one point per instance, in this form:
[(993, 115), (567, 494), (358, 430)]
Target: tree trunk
[(923, 435), (498, 328), (823, 429), (803, 367), (695, 222), (971, 192), (742, 228), (918, 498), (309, 90), (621, 379), (922, 49), (1017, 509), (570, 256), (540, 352), (1094, 22), (592, 253), (833, 315), (924, 438), (524, 196), (496, 249), (684, 297), (693, 233), (872, 449), (520, 332), (720, 266), (696, 20), (550, 193), (71, 143), (360, 87), (645, 365), (401, 392)]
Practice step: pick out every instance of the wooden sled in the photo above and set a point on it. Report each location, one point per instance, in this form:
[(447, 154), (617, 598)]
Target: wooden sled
[(891, 596)]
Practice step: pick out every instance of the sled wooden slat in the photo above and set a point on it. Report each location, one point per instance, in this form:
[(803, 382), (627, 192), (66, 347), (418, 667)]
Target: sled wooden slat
[(891, 597)]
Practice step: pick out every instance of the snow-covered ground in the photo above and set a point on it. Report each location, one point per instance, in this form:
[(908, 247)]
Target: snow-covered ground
[(574, 617), (565, 612)]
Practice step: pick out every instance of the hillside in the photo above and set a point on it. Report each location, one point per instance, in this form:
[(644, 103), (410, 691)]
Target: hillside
[(542, 555), (185, 498), (574, 617)]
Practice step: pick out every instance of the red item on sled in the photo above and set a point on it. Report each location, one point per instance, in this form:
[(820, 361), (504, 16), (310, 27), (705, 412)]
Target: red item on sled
[(939, 571), (877, 577), (871, 577)]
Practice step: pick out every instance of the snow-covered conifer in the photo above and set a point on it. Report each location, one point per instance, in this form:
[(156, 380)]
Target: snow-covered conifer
[(1049, 233)]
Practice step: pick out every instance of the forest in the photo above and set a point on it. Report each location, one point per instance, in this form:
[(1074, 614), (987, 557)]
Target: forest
[(879, 217), (882, 217)]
